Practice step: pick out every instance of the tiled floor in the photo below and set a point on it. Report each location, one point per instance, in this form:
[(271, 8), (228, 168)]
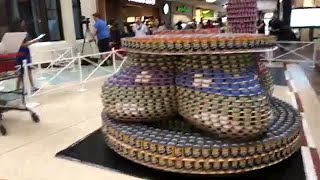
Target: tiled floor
[(28, 151)]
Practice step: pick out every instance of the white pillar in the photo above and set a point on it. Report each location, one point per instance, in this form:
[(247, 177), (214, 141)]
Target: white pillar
[(68, 22)]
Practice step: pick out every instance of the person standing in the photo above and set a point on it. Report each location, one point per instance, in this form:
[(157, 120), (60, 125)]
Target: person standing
[(275, 25), (140, 29), (260, 23), (103, 34), (24, 54), (209, 25), (115, 36)]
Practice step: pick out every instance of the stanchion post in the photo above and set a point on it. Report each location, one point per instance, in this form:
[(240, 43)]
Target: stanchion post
[(73, 64), (314, 57), (114, 60), (27, 85), (82, 88)]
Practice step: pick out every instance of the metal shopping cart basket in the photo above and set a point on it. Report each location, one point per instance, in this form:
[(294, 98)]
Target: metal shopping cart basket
[(9, 70)]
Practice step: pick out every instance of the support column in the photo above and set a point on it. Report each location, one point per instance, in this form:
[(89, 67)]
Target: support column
[(68, 22)]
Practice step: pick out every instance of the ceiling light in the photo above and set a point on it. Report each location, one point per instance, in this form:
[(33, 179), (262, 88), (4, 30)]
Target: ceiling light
[(211, 1)]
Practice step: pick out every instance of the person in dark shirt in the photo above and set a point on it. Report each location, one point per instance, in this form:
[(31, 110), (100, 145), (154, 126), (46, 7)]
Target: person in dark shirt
[(209, 25), (260, 24), (115, 36), (275, 25)]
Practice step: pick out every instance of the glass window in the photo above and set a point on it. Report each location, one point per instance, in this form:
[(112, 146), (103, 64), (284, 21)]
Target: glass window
[(77, 18), (40, 17)]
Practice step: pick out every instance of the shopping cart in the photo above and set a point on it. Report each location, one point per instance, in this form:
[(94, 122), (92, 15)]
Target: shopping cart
[(10, 70)]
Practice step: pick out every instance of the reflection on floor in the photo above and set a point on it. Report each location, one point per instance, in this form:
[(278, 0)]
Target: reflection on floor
[(28, 151)]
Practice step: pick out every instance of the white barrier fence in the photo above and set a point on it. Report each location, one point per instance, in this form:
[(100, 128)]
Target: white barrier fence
[(75, 63), (288, 51), (295, 52)]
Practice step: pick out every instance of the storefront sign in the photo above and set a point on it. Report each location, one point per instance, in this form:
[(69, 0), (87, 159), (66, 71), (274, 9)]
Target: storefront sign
[(184, 9), (150, 2)]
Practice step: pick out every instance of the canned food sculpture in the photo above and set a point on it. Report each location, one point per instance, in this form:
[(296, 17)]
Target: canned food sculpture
[(222, 95), (228, 122), (143, 90), (242, 16)]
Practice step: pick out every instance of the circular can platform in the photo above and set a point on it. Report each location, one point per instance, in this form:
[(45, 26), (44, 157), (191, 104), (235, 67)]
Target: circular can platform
[(176, 146)]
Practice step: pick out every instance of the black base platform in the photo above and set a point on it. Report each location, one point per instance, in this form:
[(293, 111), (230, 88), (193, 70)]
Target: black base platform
[(93, 151)]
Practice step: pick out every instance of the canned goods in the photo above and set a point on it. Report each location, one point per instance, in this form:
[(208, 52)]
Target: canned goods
[(188, 150), (216, 165), (234, 164), (234, 150), (171, 162), (154, 159), (178, 150), (225, 165), (198, 164), (163, 161), (170, 148), (140, 155), (153, 146), (215, 151), (139, 142), (147, 157), (225, 151), (188, 163), (196, 151), (207, 165), (242, 163), (206, 151)]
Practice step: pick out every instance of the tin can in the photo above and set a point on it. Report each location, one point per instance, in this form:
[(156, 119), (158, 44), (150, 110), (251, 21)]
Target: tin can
[(147, 157), (139, 142), (225, 152), (179, 163), (171, 162), (243, 150), (188, 163), (188, 150), (178, 150), (153, 146), (234, 164), (216, 165), (207, 165), (163, 161), (196, 151), (140, 155), (162, 147), (215, 151), (132, 153), (259, 148), (198, 164), (170, 148), (242, 163), (234, 150), (258, 160), (154, 159), (225, 165), (206, 151)]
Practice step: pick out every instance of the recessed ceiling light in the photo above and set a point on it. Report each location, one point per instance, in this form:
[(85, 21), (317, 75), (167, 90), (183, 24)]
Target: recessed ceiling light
[(211, 1)]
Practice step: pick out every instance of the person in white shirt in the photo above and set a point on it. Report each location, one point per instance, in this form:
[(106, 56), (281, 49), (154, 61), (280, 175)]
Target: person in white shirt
[(140, 29)]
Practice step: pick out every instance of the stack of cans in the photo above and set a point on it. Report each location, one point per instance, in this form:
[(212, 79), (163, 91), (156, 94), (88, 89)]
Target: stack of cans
[(183, 151), (144, 90), (223, 95)]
